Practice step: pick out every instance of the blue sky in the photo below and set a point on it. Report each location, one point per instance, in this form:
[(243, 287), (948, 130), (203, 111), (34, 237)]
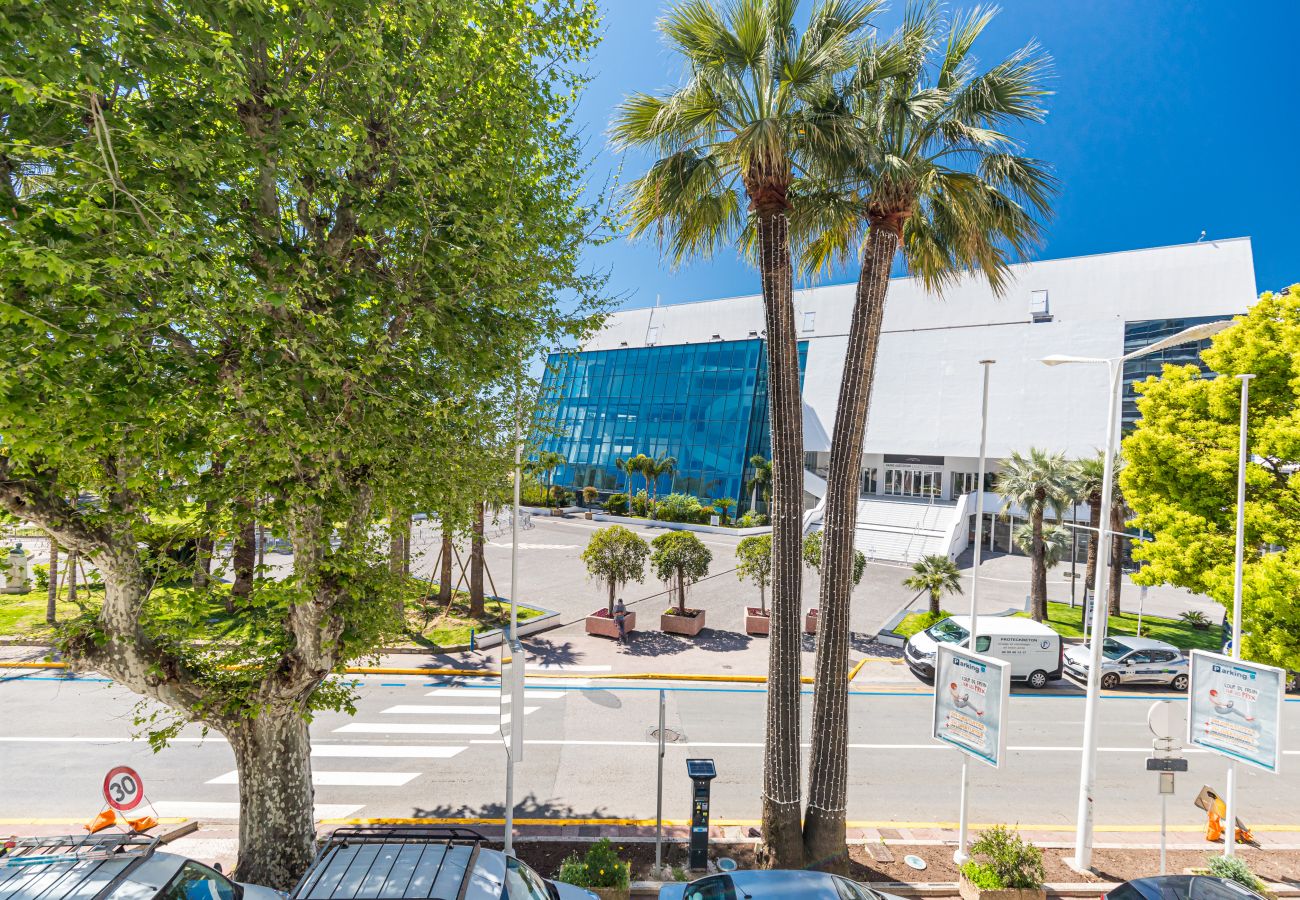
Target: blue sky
[(1170, 116)]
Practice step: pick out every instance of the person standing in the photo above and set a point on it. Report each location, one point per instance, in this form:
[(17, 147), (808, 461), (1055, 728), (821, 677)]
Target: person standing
[(620, 619)]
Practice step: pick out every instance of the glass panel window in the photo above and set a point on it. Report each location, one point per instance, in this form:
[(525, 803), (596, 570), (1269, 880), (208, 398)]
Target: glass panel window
[(196, 882)]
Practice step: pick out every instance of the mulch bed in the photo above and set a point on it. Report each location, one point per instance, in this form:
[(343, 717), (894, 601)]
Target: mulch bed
[(1112, 865)]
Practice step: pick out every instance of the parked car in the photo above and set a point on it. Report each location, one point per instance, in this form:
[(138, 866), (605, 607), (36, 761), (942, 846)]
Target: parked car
[(113, 867), (770, 884), (1181, 887), (1033, 650), (419, 862), (1131, 660)]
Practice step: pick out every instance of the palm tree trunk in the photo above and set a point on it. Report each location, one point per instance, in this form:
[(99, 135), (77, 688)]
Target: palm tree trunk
[(824, 835), (782, 832), (1116, 558), (1094, 541), (1038, 567), (52, 594), (934, 604)]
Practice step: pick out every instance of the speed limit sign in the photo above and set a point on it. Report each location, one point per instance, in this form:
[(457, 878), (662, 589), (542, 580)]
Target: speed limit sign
[(123, 788)]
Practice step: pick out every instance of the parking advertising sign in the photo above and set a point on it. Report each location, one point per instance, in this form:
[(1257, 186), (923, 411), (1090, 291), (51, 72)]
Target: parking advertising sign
[(970, 703), (1236, 709)]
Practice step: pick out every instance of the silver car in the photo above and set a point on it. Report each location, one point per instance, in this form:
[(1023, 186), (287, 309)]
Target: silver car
[(1131, 660), (770, 884)]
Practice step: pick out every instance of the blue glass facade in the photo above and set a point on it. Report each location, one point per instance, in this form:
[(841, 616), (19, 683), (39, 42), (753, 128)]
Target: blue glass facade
[(1145, 332), (705, 404)]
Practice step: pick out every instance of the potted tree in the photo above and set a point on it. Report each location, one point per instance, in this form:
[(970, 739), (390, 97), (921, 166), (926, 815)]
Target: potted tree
[(679, 559), (589, 495), (754, 563), (1002, 867), (599, 871), (614, 556), (812, 558)]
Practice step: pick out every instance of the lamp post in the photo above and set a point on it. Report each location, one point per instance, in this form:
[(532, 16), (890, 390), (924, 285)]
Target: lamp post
[(1230, 836), (960, 856), (1082, 859)]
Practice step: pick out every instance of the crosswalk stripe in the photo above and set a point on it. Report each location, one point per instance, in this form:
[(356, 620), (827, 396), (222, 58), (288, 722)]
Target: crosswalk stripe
[(415, 728), (479, 694), (386, 751), (208, 809), (339, 779), (424, 710)]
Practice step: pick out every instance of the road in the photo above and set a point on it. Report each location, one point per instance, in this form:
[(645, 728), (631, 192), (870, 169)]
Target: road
[(419, 747)]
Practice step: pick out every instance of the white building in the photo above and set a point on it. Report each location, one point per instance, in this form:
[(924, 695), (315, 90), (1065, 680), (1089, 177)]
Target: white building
[(922, 437)]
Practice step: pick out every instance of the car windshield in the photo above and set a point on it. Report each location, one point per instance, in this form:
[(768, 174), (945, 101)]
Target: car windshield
[(947, 631), (522, 883), (1113, 649)]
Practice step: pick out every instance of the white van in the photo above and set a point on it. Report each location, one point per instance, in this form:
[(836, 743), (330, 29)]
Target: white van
[(1034, 651)]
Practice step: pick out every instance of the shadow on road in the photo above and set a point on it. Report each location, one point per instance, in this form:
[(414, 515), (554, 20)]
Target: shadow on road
[(552, 653), (529, 807)]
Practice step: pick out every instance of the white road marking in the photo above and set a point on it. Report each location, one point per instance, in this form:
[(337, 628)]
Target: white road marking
[(414, 728), (207, 809), (386, 751), (479, 694), (340, 779), (423, 710)]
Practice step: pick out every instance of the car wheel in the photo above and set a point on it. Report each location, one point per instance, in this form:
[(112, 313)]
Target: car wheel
[(1038, 679), (1110, 681), (1179, 683)]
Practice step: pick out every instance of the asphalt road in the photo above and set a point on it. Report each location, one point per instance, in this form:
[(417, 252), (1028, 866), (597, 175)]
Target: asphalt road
[(428, 748)]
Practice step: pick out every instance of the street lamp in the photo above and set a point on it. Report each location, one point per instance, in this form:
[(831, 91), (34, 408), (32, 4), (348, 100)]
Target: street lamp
[(1239, 553), (1088, 776)]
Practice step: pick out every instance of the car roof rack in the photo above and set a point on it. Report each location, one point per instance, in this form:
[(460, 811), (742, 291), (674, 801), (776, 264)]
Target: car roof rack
[(71, 867), (392, 862)]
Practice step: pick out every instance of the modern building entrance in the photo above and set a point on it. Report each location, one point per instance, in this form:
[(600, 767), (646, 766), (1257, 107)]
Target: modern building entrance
[(913, 482)]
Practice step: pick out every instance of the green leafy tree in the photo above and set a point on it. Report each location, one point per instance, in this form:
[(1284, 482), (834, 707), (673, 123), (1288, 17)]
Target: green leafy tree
[(923, 159), (936, 575), (754, 564), (615, 556), (679, 559), (813, 547), (1036, 482), (1181, 476), (305, 246), (727, 142)]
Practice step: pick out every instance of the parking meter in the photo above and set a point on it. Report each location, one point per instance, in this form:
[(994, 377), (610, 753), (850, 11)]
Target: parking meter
[(702, 771)]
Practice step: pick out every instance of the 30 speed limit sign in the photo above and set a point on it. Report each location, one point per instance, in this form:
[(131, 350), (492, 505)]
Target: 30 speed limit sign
[(123, 788)]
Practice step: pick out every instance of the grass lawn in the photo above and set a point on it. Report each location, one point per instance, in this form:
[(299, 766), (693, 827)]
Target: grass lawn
[(1068, 623), (430, 622), (918, 621), (23, 615)]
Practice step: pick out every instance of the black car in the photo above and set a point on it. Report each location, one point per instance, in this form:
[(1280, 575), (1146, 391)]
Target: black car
[(1182, 887)]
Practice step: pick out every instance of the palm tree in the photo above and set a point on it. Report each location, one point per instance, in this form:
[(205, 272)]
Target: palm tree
[(728, 141), (657, 468), (936, 575), (641, 465), (1056, 542), (621, 463), (1089, 474), (920, 161), (761, 482), (547, 462), (1036, 483)]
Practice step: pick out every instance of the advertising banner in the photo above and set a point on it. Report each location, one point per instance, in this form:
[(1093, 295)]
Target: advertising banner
[(1235, 709), (970, 703)]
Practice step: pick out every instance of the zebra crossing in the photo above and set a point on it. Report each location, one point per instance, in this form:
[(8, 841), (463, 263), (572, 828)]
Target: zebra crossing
[(451, 716)]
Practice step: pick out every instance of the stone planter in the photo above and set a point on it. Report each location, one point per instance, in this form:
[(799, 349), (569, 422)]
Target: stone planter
[(557, 511), (587, 514), (756, 621), (969, 891), (810, 622), (671, 623), (612, 893), (601, 624)]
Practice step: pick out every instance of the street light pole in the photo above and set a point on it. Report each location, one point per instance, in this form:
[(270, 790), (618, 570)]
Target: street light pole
[(960, 856), (1082, 859), (1230, 835)]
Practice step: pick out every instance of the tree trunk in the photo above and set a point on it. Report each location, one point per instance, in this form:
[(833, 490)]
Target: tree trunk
[(1094, 542), (1038, 566), (261, 544), (396, 552), (243, 559), (71, 579), (52, 594), (824, 835), (934, 604), (406, 545), (681, 593), (273, 758), (613, 586), (1116, 556), (444, 574), (782, 831), (476, 564)]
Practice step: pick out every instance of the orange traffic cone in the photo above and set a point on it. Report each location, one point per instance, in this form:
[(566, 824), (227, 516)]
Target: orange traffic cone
[(106, 819)]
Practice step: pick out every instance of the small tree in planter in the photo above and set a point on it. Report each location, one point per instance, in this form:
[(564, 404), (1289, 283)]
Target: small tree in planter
[(589, 495), (679, 559), (1002, 867), (615, 556), (600, 870), (812, 558), (754, 563)]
